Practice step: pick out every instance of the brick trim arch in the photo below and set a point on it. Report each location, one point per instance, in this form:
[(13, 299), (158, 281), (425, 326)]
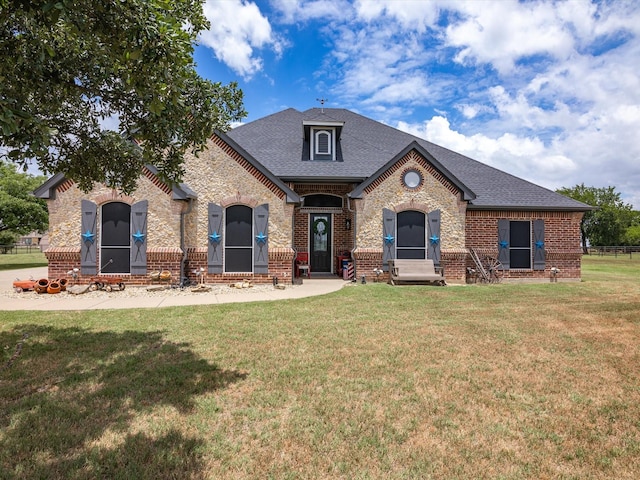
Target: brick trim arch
[(411, 205), (114, 196), (239, 199)]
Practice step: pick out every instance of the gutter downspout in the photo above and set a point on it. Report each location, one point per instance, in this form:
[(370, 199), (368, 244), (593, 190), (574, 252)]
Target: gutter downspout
[(354, 225), (295, 252), (182, 246)]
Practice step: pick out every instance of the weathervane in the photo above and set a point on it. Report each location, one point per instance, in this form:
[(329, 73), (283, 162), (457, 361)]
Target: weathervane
[(322, 102)]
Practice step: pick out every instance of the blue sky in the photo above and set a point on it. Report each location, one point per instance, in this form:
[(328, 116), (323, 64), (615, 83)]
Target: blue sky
[(545, 90)]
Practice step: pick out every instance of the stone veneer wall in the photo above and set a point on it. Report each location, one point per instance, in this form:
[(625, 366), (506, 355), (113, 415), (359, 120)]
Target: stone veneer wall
[(562, 241), (435, 193), (163, 225), (220, 175)]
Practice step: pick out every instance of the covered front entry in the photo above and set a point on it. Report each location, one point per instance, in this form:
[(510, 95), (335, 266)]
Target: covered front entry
[(320, 243)]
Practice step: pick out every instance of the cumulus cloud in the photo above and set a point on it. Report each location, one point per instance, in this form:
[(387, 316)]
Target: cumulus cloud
[(293, 11), (238, 29), (549, 91), (526, 157)]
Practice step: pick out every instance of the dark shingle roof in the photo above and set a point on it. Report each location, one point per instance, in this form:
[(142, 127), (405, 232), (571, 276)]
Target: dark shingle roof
[(276, 141)]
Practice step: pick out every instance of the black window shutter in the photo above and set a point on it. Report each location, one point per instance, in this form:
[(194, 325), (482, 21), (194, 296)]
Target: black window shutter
[(433, 236), (503, 243), (88, 235), (139, 238), (538, 245), (214, 239), (388, 237), (261, 239)]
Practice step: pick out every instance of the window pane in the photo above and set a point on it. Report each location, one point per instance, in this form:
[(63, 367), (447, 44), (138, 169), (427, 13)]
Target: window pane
[(520, 234), (238, 259), (520, 258), (323, 143), (325, 201), (120, 257), (411, 229), (115, 224), (410, 253), (238, 226)]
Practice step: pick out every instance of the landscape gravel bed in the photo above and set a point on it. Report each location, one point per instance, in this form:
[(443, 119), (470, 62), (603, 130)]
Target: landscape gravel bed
[(136, 291)]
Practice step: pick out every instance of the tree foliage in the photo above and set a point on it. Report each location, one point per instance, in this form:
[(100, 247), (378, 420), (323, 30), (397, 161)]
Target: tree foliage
[(71, 67), (606, 225), (20, 211)]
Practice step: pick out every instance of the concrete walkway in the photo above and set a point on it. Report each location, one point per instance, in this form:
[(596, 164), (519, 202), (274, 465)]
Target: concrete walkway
[(118, 300)]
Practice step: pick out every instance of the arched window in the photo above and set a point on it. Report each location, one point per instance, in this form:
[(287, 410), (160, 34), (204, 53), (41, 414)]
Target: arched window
[(323, 142), (238, 253), (115, 244), (411, 235)]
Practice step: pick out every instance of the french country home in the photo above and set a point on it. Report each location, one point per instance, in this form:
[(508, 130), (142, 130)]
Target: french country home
[(322, 192)]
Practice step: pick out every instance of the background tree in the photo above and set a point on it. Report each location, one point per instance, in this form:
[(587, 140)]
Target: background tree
[(20, 211), (71, 67), (606, 224), (631, 236)]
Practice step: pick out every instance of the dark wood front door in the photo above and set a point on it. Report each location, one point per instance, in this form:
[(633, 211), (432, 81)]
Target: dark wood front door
[(320, 247)]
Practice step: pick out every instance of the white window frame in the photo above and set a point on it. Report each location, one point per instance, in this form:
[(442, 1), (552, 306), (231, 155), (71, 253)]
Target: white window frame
[(331, 144)]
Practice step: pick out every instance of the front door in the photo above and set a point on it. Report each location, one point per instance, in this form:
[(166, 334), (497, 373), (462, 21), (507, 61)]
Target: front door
[(320, 247)]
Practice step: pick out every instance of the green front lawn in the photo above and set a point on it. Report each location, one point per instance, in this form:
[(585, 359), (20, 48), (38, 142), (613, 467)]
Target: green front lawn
[(374, 381), (13, 261)]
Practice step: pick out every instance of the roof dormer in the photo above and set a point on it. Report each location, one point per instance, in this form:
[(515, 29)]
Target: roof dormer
[(322, 139)]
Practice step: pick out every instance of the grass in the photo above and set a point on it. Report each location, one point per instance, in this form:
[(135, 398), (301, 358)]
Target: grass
[(12, 261), (499, 381)]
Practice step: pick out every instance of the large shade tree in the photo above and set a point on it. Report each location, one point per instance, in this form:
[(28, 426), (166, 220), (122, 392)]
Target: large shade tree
[(20, 212), (607, 223), (96, 89)]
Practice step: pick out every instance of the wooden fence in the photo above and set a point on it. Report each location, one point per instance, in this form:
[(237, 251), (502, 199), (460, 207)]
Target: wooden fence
[(615, 250), (17, 248)]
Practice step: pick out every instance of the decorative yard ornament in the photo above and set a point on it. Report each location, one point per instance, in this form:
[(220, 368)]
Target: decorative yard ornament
[(320, 226), (261, 238), (214, 237), (138, 237), (88, 236)]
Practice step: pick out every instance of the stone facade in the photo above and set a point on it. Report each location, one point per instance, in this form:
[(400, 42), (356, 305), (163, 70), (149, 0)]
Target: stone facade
[(177, 230), (219, 175), (163, 224), (389, 191)]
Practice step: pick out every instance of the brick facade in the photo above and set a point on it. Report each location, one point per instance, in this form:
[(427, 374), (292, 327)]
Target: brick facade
[(562, 241)]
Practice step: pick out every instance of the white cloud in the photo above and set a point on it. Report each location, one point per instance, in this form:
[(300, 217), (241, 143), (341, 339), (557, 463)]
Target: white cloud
[(525, 157), (410, 15), (293, 11), (546, 90), (237, 30), (500, 33)]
